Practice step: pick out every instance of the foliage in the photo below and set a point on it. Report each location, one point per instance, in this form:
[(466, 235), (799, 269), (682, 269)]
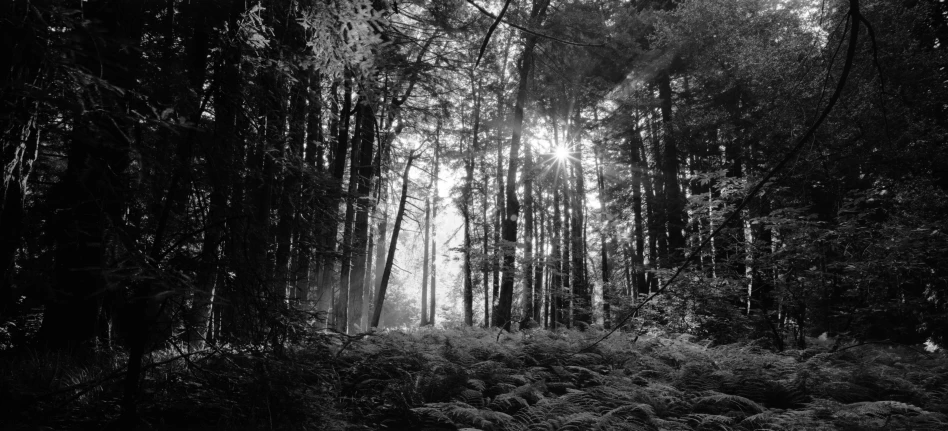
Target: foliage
[(478, 379)]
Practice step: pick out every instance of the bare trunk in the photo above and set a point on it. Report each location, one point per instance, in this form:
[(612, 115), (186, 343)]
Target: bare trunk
[(556, 281), (341, 306), (674, 202), (502, 317), (425, 265), (434, 231), (528, 237), (387, 272), (363, 176)]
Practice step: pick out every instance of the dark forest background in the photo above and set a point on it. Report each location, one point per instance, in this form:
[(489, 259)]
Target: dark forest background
[(235, 179)]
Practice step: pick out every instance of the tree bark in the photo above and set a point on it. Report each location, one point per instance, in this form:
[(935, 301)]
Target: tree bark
[(638, 168), (674, 201), (387, 272), (363, 176), (341, 307), (466, 205), (528, 237), (509, 227), (424, 263), (556, 281), (605, 232), (582, 294), (434, 230)]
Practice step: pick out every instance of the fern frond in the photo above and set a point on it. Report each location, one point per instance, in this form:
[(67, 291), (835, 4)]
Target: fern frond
[(671, 425), (709, 422), (579, 421), (476, 384), (430, 417), (472, 397), (630, 417), (507, 403), (717, 403)]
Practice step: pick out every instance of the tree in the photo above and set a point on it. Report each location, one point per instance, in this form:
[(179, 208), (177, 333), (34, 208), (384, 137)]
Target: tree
[(502, 317)]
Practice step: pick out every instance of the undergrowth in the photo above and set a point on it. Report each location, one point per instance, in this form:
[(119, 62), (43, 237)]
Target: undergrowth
[(478, 379)]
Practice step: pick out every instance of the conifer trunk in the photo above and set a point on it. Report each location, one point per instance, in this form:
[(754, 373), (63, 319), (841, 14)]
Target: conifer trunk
[(387, 272), (509, 226), (363, 176)]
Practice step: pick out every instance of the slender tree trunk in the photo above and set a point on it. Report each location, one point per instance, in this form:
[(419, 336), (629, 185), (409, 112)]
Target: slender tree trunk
[(341, 307), (539, 297), (226, 101), (314, 158), (434, 230), (654, 216), (467, 204), (528, 237), (566, 307), (387, 272), (639, 169), (364, 172), (556, 281), (425, 263), (509, 227), (582, 298), (499, 212), (290, 199), (674, 201), (605, 233), (485, 253)]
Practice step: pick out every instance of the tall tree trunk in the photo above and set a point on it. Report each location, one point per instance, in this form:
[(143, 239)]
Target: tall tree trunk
[(582, 294), (674, 201), (539, 297), (311, 225), (341, 306), (387, 272), (566, 307), (556, 262), (425, 263), (363, 175), (207, 288), (466, 205), (499, 213), (654, 212), (639, 169), (605, 233), (528, 237), (485, 252), (290, 199), (509, 227), (434, 230)]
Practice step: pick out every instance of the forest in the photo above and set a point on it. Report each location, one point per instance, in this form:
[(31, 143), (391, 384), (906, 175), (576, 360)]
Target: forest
[(474, 214)]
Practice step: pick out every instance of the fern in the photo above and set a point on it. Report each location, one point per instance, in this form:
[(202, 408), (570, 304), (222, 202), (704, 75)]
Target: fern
[(630, 417), (717, 403), (708, 422)]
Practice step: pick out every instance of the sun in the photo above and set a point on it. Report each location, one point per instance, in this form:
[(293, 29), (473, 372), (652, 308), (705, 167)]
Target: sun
[(561, 153)]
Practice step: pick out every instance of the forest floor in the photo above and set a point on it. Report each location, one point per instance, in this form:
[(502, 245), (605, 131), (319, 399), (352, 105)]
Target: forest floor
[(478, 379)]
